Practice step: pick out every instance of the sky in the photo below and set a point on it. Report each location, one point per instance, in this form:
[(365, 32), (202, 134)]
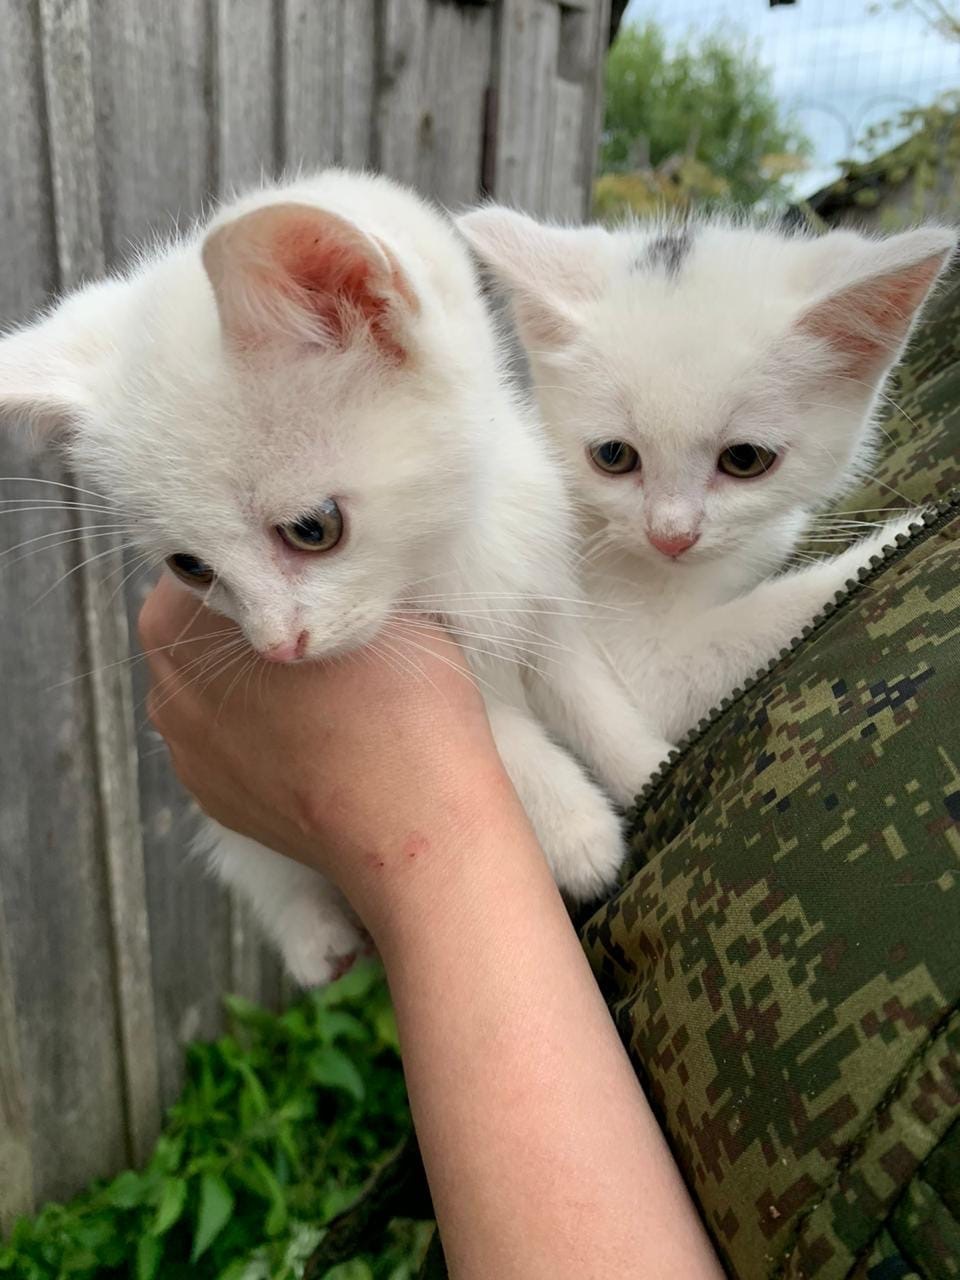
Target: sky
[(839, 65)]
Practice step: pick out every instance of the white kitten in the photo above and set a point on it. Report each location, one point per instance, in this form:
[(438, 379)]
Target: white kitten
[(301, 409), (710, 385)]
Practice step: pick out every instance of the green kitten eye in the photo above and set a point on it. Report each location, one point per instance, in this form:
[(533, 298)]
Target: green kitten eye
[(746, 461), (614, 457), (190, 570), (319, 531)]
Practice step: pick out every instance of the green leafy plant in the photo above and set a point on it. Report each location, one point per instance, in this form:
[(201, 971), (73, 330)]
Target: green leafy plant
[(702, 113), (279, 1125), (921, 168), (674, 186)]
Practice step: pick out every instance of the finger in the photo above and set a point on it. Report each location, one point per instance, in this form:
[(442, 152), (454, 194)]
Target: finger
[(172, 616)]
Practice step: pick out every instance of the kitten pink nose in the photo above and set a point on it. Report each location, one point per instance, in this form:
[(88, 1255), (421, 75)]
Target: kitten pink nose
[(673, 546), (289, 651)]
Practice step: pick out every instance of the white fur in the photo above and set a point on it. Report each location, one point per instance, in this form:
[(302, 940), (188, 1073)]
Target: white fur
[(727, 348), (454, 504)]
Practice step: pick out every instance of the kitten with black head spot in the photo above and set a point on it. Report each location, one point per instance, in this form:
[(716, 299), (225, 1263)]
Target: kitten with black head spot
[(711, 385), (301, 408)]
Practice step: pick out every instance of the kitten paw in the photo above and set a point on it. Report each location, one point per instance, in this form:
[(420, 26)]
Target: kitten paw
[(584, 847), (318, 949), (837, 571), (626, 777)]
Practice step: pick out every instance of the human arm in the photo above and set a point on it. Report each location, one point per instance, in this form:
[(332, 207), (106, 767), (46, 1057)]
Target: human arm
[(542, 1154)]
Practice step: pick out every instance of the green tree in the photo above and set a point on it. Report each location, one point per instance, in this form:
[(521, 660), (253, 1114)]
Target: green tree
[(708, 100)]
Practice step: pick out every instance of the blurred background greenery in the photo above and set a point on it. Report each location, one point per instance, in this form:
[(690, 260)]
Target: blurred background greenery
[(721, 104), (693, 123)]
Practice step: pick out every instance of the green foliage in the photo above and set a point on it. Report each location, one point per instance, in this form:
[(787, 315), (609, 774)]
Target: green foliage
[(924, 168), (278, 1127), (672, 186), (709, 101)]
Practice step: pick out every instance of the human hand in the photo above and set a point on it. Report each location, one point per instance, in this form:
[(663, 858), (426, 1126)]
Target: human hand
[(391, 785), (358, 767)]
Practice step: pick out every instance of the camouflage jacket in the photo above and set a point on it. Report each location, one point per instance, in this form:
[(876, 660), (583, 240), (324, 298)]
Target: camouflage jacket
[(783, 957)]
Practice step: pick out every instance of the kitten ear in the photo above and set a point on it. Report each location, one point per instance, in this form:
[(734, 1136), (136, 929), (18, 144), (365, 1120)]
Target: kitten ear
[(45, 373), (548, 271), (867, 319), (295, 272)]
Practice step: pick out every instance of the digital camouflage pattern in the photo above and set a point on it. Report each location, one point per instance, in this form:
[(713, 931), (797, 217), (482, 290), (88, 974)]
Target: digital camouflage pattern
[(783, 958)]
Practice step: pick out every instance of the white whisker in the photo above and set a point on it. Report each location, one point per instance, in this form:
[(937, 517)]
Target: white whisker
[(220, 658), (95, 530), (58, 484), (466, 673), (111, 550), (132, 658)]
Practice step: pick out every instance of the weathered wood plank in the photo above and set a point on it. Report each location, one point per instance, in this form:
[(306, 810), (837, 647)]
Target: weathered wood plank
[(549, 102), (526, 89), (358, 53), (56, 931), (587, 34), (575, 52), (152, 68), (450, 138), (312, 80), (328, 81), (68, 85), (16, 1156), (68, 95), (400, 107), (247, 118), (154, 78), (564, 195), (57, 922), (28, 262)]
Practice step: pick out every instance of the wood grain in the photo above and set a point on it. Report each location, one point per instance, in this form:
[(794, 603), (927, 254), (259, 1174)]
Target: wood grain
[(57, 972), (162, 136), (526, 84), (452, 119), (68, 85)]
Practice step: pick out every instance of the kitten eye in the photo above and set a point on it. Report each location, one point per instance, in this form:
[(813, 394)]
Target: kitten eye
[(746, 461), (319, 531), (190, 570), (614, 457)]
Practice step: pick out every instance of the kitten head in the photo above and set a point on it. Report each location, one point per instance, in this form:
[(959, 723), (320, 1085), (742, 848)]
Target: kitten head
[(710, 383), (275, 411)]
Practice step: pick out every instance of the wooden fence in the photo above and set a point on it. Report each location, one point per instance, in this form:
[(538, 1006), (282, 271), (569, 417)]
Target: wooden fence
[(118, 116)]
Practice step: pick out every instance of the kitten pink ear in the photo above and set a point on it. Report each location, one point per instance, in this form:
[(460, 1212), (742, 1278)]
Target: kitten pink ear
[(548, 271), (867, 320), (291, 271)]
